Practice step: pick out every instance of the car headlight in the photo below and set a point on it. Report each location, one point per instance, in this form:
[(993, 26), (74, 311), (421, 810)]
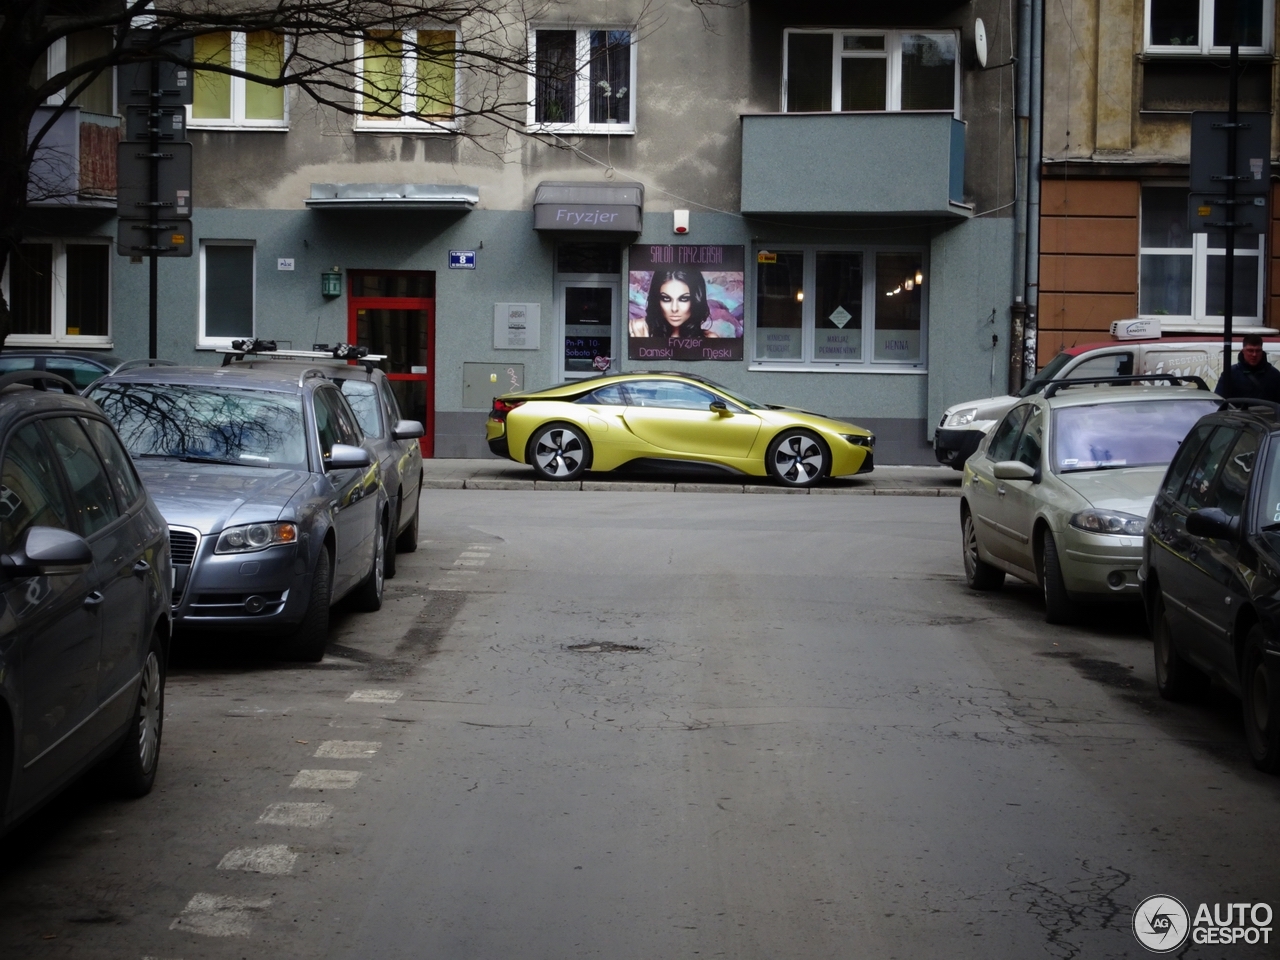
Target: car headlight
[(1104, 521), (961, 418), (255, 536), (857, 440)]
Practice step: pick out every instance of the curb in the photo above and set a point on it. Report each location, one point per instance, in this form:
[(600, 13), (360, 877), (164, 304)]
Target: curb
[(622, 486)]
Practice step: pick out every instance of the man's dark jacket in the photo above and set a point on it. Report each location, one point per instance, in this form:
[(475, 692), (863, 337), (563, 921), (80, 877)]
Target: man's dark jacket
[(1261, 382)]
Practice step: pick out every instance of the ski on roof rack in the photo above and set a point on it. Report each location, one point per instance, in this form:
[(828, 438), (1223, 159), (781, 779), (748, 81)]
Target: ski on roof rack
[(266, 350)]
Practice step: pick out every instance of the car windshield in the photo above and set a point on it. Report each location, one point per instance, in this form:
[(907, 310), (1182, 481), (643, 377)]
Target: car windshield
[(206, 424), (1036, 383), (363, 397), (1108, 436)]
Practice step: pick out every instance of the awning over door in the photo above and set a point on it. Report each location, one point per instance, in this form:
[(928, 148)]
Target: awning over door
[(588, 207), (392, 196)]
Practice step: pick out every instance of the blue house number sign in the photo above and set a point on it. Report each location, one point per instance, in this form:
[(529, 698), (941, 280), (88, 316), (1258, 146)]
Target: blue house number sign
[(462, 259)]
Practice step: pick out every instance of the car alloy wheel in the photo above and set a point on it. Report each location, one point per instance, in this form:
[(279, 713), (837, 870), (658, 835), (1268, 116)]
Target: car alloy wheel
[(797, 459), (149, 699), (979, 574), (1261, 703), (559, 452)]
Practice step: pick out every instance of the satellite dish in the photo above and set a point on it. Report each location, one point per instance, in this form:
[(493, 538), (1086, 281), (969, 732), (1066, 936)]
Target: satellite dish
[(980, 41)]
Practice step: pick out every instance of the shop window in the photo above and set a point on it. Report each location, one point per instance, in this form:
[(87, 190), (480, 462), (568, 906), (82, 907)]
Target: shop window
[(220, 100), (226, 292), (408, 79), (583, 81), (872, 70), (68, 53), (1182, 275), (1205, 26), (830, 308), (59, 291)]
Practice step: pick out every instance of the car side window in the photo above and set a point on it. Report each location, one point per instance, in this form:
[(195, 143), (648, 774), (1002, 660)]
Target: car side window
[(1031, 440), (124, 480), (363, 397), (1183, 459), (610, 396), (31, 494), (669, 394), (80, 372), (1204, 472), (1107, 365), (90, 489), (1005, 437), (389, 401), (333, 422), (1233, 487)]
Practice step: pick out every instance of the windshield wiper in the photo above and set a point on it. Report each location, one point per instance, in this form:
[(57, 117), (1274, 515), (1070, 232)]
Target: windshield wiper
[(185, 458), (1270, 527)]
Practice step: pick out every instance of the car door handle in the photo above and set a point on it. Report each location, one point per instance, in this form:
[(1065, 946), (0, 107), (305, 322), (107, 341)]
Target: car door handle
[(93, 600), (1000, 490), (141, 567), (1191, 554)]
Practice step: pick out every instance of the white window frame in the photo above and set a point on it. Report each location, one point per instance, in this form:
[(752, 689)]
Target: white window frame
[(408, 91), (58, 299), (867, 364), (213, 343), (1205, 33), (238, 121), (892, 54), (1200, 252), (582, 85)]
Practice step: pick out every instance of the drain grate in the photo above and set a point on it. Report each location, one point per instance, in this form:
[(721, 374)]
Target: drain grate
[(605, 646)]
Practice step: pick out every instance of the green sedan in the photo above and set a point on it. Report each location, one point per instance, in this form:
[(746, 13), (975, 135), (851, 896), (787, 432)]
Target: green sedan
[(1058, 493)]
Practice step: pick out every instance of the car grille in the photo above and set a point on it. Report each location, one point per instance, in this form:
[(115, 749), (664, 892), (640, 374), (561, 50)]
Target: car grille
[(237, 604), (182, 546)]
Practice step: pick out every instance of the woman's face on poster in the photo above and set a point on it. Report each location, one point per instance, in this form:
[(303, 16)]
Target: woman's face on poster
[(676, 301)]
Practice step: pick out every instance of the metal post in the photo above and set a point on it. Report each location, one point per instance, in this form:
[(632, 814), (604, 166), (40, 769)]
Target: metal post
[(1233, 118), (1021, 133), (153, 211)]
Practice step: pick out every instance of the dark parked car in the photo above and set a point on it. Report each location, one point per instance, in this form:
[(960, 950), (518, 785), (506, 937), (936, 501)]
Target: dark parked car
[(84, 599), (275, 504), (1212, 568), (81, 367), (394, 440)]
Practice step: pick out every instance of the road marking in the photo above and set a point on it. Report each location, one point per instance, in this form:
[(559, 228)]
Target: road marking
[(211, 915), (325, 780), (466, 554), (296, 814), (468, 563), (375, 696), (272, 858), (462, 573), (348, 749)]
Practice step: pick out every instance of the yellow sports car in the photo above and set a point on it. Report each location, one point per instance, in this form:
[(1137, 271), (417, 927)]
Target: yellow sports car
[(647, 419)]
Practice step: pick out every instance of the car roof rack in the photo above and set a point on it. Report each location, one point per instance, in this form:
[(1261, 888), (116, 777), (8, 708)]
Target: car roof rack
[(37, 380), (1244, 403), (1055, 386), (142, 362), (256, 349)]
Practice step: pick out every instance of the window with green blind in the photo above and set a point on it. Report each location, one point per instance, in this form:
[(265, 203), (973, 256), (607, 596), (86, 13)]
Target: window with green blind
[(408, 79), (220, 99)]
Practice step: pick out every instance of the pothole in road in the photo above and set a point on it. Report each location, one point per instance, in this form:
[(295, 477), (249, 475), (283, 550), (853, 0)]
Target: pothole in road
[(605, 646)]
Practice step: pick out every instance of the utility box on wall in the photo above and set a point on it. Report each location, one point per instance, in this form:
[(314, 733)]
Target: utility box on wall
[(481, 382)]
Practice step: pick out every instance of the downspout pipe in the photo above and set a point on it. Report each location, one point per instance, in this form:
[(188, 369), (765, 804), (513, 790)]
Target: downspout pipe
[(1034, 166), (1022, 124)]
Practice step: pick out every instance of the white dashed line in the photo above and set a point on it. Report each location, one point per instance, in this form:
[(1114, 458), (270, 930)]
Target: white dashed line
[(462, 573), (348, 749), (375, 696), (211, 915), (468, 563), (325, 780), (447, 586), (465, 554), (296, 814), (273, 858)]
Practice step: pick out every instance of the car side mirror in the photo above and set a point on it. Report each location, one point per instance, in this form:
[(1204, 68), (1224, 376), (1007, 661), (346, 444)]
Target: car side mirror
[(1213, 522), (45, 547), (1014, 470), (720, 407), (408, 430), (343, 456)]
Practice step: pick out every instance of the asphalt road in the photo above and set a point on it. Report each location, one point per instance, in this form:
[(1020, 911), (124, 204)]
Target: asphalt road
[(664, 725)]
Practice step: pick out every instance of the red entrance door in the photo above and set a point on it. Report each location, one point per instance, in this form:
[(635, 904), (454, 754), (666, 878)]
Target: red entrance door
[(394, 312)]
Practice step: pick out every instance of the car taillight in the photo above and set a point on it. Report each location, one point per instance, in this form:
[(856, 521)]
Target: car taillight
[(502, 407)]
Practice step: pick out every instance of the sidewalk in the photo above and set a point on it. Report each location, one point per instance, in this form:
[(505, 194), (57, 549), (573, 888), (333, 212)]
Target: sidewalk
[(504, 475)]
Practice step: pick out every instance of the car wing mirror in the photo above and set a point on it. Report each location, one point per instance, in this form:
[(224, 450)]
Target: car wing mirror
[(720, 407), (408, 430), (45, 547), (1014, 470), (1213, 522), (343, 456)]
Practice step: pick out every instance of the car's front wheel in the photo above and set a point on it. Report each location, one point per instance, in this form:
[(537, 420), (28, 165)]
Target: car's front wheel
[(1176, 679), (308, 641), (559, 451), (1058, 606), (407, 539), (979, 574), (368, 596), (797, 458), (1261, 701), (134, 766)]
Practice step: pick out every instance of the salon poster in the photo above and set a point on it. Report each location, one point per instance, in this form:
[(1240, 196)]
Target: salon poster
[(685, 302)]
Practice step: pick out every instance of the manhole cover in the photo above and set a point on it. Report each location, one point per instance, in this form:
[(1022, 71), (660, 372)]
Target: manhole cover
[(605, 647)]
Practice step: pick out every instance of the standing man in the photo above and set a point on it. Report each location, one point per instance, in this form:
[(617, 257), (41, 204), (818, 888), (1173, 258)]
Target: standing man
[(1253, 376)]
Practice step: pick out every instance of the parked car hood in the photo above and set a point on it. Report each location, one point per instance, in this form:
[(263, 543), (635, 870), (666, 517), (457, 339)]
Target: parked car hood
[(1128, 490), (209, 496)]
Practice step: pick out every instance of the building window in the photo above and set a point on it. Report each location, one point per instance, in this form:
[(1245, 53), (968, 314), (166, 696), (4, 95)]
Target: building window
[(1204, 26), (845, 70), (70, 52), (227, 284), (59, 291), (220, 100), (1182, 274), (408, 79), (839, 308), (583, 81)]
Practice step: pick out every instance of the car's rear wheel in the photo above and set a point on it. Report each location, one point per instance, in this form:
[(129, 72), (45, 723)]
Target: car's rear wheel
[(368, 596), (979, 574), (308, 641), (1261, 702), (1058, 606), (1176, 679), (797, 458), (133, 768), (559, 451)]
